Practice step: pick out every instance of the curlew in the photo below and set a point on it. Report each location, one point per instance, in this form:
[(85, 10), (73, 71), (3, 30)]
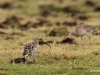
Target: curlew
[(81, 30), (31, 49)]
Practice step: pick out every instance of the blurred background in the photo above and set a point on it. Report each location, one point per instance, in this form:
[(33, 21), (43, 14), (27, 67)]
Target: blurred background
[(26, 14), (50, 17)]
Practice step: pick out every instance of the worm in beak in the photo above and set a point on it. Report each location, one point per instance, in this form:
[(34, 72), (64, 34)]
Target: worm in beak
[(48, 45), (45, 43)]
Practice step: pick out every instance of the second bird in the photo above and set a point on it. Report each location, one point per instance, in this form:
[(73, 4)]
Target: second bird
[(81, 30)]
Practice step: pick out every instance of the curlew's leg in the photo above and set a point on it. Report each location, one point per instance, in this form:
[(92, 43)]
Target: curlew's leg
[(89, 39), (25, 59), (81, 38), (34, 59)]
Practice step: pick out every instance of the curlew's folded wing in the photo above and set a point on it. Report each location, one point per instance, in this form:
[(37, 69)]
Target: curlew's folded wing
[(89, 28)]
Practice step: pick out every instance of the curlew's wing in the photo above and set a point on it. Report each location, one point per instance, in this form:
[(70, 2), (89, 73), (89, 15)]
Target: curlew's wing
[(28, 49), (89, 28)]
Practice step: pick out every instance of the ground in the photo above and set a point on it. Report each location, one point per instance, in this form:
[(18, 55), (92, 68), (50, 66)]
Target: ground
[(23, 20)]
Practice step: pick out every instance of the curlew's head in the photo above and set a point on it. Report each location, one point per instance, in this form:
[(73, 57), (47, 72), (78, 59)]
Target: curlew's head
[(40, 40), (68, 34)]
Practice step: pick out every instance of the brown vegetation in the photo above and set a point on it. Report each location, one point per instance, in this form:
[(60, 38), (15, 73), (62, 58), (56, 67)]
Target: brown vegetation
[(18, 60), (67, 40)]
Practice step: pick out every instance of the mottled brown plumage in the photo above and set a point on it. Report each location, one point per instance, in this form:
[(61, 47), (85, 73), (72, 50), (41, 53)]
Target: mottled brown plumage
[(31, 49)]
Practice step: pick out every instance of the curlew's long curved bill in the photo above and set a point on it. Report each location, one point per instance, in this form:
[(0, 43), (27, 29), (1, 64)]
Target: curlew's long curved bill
[(66, 36), (48, 45)]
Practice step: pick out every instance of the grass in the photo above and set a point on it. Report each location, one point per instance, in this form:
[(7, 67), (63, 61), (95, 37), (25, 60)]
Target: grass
[(65, 59), (80, 60)]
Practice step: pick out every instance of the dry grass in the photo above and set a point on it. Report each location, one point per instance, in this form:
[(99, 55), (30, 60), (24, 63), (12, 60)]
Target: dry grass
[(65, 59)]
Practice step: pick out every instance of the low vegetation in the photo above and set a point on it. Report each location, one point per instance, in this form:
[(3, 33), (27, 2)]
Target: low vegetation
[(23, 20)]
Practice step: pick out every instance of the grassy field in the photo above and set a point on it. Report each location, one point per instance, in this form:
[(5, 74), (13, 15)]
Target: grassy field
[(23, 20)]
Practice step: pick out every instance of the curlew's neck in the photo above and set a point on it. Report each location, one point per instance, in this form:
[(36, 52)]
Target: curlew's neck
[(36, 41)]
